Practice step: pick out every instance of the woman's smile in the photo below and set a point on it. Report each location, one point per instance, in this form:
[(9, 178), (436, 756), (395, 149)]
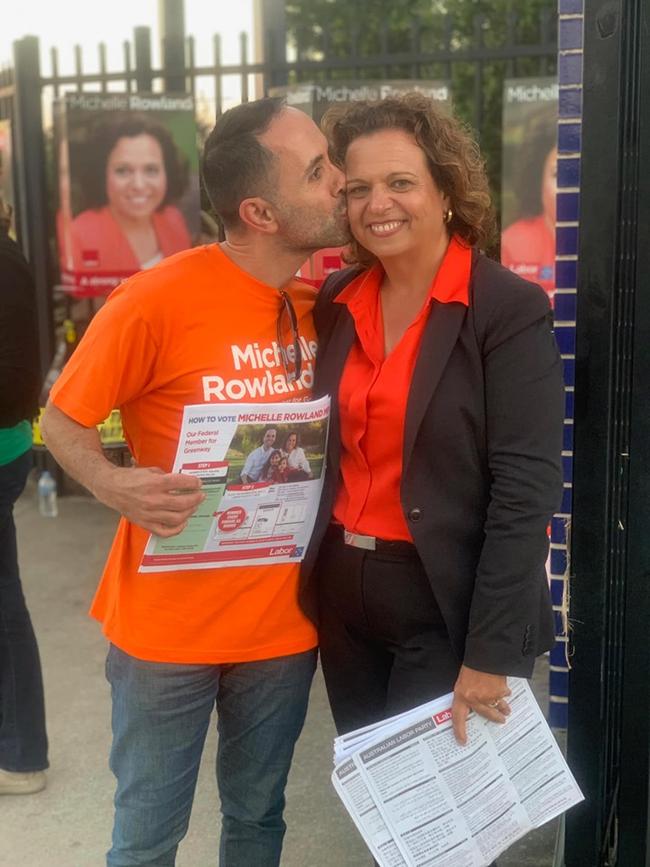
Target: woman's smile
[(387, 228)]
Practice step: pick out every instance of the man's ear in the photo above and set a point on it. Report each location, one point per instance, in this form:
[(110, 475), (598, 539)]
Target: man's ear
[(258, 214)]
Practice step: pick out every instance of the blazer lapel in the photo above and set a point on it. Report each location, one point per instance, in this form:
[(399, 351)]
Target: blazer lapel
[(330, 369), (440, 335)]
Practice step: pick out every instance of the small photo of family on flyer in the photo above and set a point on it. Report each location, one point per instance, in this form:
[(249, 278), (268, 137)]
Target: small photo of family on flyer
[(278, 454)]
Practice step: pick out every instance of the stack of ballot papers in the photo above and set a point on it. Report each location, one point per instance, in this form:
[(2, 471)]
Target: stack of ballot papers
[(419, 798)]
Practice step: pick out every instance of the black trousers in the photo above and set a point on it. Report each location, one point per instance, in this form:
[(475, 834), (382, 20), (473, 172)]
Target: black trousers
[(384, 645), (23, 741)]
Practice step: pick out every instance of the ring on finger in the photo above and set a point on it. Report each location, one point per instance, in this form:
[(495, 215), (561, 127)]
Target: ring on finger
[(494, 703)]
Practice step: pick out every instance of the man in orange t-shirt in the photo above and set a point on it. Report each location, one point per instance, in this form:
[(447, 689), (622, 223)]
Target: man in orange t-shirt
[(184, 641)]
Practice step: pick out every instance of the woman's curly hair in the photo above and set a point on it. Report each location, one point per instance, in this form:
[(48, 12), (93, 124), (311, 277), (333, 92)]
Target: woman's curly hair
[(452, 155)]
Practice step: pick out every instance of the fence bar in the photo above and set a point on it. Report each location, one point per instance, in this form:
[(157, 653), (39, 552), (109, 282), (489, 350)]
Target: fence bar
[(273, 20), (78, 67), (102, 65), (31, 187), (128, 73), (486, 54), (142, 42), (94, 77), (269, 52), (172, 29), (54, 58), (243, 54), (216, 54), (190, 65)]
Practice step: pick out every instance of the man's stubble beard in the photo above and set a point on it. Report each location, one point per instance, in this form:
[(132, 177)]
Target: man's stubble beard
[(304, 230)]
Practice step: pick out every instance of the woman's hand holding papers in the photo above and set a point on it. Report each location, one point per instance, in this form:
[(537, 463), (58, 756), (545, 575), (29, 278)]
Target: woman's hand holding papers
[(483, 693)]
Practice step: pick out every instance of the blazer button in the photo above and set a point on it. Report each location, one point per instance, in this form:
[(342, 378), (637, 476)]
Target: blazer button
[(415, 515)]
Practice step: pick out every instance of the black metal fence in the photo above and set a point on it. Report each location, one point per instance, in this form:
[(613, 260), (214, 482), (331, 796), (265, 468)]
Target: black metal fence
[(472, 60), (609, 712)]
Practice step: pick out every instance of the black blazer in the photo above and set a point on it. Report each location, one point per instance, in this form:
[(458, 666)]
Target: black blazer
[(482, 471)]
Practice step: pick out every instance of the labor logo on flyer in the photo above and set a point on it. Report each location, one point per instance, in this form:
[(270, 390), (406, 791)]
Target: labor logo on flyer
[(262, 470)]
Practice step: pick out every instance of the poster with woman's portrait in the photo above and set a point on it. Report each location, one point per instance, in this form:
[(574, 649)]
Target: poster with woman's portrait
[(316, 98), (530, 107), (128, 180), (7, 173)]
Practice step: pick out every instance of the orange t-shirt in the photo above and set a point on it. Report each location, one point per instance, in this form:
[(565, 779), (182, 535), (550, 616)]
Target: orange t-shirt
[(195, 329), (373, 394)]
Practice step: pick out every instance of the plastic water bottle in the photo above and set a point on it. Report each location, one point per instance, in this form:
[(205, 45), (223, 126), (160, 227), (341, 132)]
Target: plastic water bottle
[(47, 501)]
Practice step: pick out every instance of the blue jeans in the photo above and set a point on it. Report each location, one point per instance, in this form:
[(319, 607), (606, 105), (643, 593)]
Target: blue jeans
[(161, 714), (23, 742)]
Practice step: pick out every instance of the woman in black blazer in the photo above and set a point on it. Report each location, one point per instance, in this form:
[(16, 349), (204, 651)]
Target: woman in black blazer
[(426, 568)]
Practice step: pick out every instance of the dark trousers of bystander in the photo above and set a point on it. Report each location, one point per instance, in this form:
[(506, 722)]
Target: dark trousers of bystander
[(23, 740)]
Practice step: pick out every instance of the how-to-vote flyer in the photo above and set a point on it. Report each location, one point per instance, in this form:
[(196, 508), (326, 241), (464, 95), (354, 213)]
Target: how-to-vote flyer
[(419, 799), (262, 469)]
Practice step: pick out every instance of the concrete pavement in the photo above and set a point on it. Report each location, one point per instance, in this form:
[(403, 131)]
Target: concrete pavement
[(68, 825)]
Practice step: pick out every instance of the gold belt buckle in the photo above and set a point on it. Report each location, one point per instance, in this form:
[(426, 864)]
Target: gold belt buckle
[(356, 540)]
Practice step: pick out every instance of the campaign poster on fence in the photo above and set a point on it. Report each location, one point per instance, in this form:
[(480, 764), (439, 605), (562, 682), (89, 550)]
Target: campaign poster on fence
[(6, 173), (315, 99), (530, 107), (128, 181)]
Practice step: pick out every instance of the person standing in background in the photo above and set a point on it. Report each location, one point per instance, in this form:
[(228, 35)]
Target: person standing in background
[(23, 739)]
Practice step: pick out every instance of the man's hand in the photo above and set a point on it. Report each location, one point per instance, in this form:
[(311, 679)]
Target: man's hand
[(157, 501), (481, 692)]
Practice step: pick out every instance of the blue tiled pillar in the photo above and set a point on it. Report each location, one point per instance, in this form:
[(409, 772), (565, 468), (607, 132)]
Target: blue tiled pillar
[(568, 218)]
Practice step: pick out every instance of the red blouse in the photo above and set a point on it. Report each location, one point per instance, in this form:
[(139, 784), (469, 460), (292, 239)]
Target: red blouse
[(373, 395)]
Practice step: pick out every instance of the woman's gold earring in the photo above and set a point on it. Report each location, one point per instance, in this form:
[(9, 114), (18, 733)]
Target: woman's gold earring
[(447, 215)]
